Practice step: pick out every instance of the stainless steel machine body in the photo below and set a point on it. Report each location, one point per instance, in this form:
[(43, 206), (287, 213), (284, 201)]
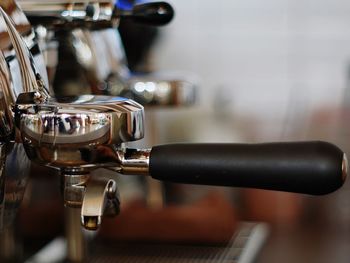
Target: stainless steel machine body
[(14, 162), (15, 166), (84, 53)]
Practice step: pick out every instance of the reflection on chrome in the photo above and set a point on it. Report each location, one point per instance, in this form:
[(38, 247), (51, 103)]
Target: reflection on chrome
[(14, 163), (101, 199), (64, 132), (86, 60), (7, 100), (65, 12), (155, 90), (14, 173)]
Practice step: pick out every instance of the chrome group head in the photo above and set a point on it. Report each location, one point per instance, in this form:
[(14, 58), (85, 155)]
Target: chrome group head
[(68, 133), (73, 134)]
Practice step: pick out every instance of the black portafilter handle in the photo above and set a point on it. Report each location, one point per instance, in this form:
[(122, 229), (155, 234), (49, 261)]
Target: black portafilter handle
[(315, 168), (154, 13)]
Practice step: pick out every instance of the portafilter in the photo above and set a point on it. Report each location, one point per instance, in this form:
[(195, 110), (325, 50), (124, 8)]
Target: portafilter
[(78, 134)]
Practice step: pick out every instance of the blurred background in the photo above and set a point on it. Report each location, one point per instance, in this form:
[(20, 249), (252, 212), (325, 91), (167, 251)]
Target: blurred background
[(269, 70), (282, 62)]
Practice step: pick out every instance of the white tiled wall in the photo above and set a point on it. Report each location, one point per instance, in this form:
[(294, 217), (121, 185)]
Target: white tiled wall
[(272, 58), (267, 54)]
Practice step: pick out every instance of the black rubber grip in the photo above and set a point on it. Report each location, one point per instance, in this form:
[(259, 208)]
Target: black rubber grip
[(153, 13), (301, 167)]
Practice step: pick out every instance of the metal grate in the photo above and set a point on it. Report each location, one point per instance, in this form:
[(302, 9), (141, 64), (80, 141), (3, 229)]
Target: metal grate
[(243, 248)]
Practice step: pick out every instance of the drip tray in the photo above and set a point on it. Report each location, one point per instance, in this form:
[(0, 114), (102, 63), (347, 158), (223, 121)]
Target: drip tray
[(243, 248)]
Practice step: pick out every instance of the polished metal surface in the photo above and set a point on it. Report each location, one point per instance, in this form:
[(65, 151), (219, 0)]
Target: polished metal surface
[(88, 62), (76, 245), (83, 60), (59, 13), (6, 100), (15, 169), (82, 53), (158, 90), (97, 196), (74, 186), (133, 161), (73, 132), (20, 23), (77, 134), (14, 163), (15, 57), (7, 91), (31, 79), (101, 198)]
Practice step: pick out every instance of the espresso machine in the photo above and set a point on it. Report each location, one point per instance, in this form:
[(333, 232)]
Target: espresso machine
[(84, 53), (75, 135)]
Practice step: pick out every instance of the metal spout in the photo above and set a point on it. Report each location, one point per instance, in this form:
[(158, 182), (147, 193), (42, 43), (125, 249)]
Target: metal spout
[(101, 198)]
